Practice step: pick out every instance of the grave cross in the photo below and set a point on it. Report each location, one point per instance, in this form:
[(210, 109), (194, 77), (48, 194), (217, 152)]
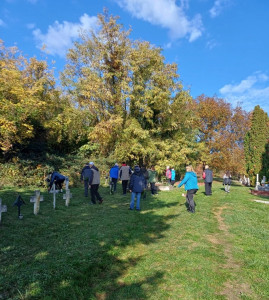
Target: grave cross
[(3, 208), (36, 200), (19, 202), (67, 196), (54, 192)]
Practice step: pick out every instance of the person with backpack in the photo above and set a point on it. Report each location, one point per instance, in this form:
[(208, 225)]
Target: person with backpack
[(168, 175), (137, 185), (208, 179), (85, 177), (227, 180)]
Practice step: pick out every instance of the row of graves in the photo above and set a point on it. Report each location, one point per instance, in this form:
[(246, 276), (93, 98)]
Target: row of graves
[(36, 199)]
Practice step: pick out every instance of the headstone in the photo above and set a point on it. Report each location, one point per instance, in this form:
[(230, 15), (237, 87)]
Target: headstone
[(19, 202), (67, 196), (36, 200), (263, 180), (66, 183), (3, 208), (257, 183), (54, 192)]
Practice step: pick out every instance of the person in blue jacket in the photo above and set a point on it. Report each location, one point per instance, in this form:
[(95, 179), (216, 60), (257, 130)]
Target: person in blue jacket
[(136, 186), (58, 179), (191, 186), (114, 175)]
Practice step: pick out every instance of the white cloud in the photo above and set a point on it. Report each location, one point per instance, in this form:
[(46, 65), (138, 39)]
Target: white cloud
[(252, 91), (167, 14), (218, 7), (60, 36)]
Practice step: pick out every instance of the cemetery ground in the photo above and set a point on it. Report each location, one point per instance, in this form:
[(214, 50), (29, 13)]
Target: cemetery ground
[(163, 252)]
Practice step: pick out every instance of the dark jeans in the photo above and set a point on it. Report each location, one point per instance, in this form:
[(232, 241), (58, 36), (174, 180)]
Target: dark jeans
[(124, 186), (189, 199), (95, 193), (153, 188), (114, 182), (86, 187), (208, 188), (59, 184), (173, 182)]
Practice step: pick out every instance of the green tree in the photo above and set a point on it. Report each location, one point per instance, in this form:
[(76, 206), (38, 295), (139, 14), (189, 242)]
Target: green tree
[(137, 104), (256, 141)]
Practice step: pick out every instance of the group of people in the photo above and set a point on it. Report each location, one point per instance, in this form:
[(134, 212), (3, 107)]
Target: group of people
[(136, 181), (170, 175)]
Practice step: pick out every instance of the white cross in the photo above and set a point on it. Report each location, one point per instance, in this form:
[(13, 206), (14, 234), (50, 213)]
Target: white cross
[(66, 183), (67, 197), (54, 192), (36, 200), (3, 208)]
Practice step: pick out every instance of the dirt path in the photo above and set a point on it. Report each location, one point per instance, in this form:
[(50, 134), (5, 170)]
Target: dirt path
[(232, 289)]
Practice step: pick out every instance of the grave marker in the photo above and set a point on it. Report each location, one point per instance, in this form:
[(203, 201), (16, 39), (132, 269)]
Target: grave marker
[(19, 202), (67, 197), (36, 200), (54, 192), (3, 208)]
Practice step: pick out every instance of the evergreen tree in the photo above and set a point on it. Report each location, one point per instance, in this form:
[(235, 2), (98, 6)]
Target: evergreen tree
[(256, 143)]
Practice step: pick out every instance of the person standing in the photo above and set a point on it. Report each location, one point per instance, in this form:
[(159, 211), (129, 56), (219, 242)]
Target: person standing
[(94, 182), (152, 180), (137, 185), (145, 173), (227, 180), (173, 176), (114, 175), (168, 175), (208, 178), (125, 173), (191, 186), (85, 177)]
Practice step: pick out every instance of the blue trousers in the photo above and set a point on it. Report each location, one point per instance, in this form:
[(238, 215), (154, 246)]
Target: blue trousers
[(137, 196)]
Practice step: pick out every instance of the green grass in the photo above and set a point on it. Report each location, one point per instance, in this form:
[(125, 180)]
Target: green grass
[(163, 252)]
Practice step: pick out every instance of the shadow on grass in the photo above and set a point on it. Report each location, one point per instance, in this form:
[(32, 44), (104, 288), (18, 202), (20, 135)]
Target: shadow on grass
[(78, 252)]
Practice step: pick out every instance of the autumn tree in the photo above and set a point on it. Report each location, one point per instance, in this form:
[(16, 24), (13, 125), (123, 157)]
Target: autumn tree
[(222, 128), (256, 144), (137, 103)]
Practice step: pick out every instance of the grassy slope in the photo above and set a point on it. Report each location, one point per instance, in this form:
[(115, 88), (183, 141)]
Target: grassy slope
[(163, 252)]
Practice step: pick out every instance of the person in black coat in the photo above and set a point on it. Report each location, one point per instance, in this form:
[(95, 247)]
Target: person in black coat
[(136, 187)]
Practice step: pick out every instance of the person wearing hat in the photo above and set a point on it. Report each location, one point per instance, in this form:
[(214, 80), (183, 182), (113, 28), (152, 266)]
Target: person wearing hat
[(136, 186), (114, 175), (94, 182)]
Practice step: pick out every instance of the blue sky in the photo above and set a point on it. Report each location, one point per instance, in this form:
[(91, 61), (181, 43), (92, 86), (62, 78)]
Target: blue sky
[(221, 46)]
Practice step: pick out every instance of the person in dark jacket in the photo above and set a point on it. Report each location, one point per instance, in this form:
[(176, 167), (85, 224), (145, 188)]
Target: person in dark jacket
[(227, 180), (208, 178), (85, 177), (114, 175), (94, 182), (145, 173), (191, 186), (58, 179), (136, 186)]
